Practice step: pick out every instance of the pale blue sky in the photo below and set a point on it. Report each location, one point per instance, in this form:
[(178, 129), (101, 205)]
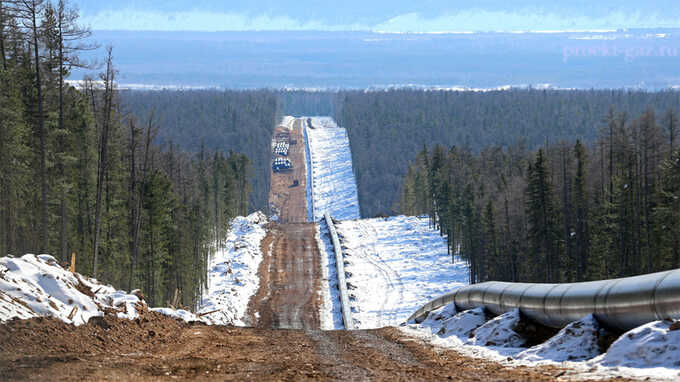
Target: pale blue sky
[(378, 15)]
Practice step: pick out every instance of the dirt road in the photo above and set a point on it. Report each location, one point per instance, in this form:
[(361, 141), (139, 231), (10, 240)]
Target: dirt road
[(157, 348), (290, 277), (288, 202)]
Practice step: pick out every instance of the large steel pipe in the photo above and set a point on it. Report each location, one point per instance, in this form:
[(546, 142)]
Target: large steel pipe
[(618, 303)]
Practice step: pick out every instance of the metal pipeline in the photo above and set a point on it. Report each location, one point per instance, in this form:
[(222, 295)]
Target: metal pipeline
[(342, 281), (623, 303)]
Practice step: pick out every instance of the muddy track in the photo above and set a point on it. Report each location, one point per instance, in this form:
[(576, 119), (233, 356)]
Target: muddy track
[(158, 348), (290, 277), (288, 202)]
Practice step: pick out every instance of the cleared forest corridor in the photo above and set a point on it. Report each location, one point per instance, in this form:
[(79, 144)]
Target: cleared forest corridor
[(285, 342)]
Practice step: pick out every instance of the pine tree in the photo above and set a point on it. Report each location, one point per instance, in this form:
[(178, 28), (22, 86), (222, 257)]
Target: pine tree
[(542, 227), (581, 210)]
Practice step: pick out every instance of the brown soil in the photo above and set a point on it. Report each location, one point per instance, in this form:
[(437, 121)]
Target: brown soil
[(155, 348), (290, 277), (289, 202)]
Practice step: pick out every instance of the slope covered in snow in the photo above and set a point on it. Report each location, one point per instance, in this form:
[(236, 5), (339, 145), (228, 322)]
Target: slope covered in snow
[(331, 182), (232, 272), (393, 266), (37, 286)]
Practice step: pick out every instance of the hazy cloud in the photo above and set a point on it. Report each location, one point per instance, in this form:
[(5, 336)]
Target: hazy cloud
[(130, 19), (526, 20), (464, 20)]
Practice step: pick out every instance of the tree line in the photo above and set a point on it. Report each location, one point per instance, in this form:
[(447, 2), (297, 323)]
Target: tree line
[(562, 213), (82, 175), (220, 120), (387, 129)]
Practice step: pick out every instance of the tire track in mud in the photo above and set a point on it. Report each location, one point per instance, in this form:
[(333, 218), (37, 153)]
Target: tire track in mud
[(290, 278)]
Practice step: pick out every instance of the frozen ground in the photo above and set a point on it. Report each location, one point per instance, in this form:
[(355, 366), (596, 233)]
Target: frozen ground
[(647, 352), (393, 266), (332, 186), (37, 286), (232, 272)]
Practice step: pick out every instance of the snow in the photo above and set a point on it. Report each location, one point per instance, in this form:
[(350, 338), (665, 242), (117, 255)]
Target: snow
[(332, 184), (647, 352), (499, 331), (575, 342), (37, 286), (179, 314), (648, 346), (232, 272), (324, 122), (331, 309), (393, 266), (461, 325), (287, 122)]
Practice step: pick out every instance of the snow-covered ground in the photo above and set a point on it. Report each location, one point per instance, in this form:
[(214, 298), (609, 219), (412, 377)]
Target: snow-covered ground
[(651, 351), (393, 266), (37, 286), (287, 122), (232, 272), (332, 186)]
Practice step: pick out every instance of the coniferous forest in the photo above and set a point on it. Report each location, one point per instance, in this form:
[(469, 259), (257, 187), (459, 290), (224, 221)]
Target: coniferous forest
[(81, 175), (561, 213), (387, 129)]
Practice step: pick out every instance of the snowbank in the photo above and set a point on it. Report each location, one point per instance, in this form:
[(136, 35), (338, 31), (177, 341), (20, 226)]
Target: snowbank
[(461, 325), (575, 342), (656, 344), (650, 351), (232, 272), (332, 184), (35, 286), (499, 331), (393, 266), (179, 314)]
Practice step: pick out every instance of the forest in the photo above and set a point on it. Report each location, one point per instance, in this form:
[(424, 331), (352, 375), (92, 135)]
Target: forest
[(387, 129), (215, 120), (563, 212), (82, 175)]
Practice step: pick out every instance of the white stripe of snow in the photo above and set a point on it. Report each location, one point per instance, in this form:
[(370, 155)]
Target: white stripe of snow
[(394, 265), (232, 272), (333, 187)]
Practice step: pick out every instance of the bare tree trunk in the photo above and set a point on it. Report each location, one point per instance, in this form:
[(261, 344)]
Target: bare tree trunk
[(3, 16), (62, 196), (132, 198), (32, 9), (566, 215), (103, 156), (139, 189)]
